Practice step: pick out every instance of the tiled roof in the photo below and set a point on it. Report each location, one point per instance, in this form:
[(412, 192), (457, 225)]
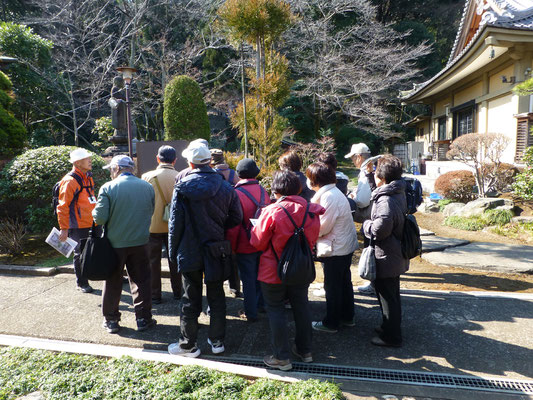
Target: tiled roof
[(511, 14)]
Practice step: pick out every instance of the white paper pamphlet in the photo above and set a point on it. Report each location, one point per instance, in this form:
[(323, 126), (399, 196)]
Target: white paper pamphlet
[(65, 247)]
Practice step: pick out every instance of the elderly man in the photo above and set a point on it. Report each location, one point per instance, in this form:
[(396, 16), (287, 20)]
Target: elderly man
[(162, 180), (125, 206), (204, 206), (75, 204)]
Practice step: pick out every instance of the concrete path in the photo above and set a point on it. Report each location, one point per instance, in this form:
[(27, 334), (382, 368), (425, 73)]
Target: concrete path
[(495, 257)]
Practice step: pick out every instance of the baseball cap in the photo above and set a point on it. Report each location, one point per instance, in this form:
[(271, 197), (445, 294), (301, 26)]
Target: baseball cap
[(200, 141), (79, 154), (197, 153), (358, 148), (121, 161), (166, 154)]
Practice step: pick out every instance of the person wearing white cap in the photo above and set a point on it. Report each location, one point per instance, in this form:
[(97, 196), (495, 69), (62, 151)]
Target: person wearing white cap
[(186, 171), (203, 207), (75, 204), (360, 156), (125, 206)]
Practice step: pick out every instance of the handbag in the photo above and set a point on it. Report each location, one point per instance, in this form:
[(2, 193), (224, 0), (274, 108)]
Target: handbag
[(217, 254), (367, 262), (98, 258), (166, 209)]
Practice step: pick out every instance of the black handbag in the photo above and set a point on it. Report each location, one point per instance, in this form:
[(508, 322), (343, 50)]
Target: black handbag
[(98, 258), (217, 255)]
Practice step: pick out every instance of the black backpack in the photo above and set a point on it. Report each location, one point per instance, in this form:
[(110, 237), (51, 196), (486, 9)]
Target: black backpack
[(296, 265), (55, 190), (411, 242), (263, 202), (413, 194)]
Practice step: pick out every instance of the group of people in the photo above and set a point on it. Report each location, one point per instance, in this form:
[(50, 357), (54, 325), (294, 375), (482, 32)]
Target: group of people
[(195, 211)]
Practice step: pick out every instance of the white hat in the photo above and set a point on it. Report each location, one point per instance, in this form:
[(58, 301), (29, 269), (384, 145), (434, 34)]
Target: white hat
[(358, 148), (121, 160), (79, 154), (200, 141), (197, 153)]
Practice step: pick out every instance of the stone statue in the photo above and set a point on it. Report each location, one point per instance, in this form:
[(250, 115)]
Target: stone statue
[(119, 117)]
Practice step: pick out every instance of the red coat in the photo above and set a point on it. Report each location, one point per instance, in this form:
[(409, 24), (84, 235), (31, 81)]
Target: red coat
[(274, 226), (237, 235)]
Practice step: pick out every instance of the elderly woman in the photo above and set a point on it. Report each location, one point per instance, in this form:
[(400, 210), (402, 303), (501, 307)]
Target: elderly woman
[(336, 243), (291, 161), (385, 227), (270, 235)]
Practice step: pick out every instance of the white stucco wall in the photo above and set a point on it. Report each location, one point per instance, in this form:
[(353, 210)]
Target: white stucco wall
[(501, 119)]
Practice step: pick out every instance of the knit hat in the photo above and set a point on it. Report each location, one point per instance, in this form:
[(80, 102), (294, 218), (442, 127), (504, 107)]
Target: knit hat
[(247, 169)]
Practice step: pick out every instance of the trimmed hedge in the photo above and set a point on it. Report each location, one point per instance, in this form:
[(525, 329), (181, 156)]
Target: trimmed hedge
[(456, 185), (12, 133), (29, 178), (185, 113)]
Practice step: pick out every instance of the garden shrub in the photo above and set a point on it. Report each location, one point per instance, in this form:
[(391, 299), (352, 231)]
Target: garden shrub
[(11, 234), (497, 217), (523, 185), (456, 186), (29, 178), (12, 132), (185, 113), (232, 159), (500, 178), (443, 203)]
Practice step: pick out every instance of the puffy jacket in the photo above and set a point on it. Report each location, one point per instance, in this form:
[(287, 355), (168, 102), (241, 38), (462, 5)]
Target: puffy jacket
[(77, 214), (275, 226), (165, 175), (386, 226), (240, 242), (215, 207), (338, 236)]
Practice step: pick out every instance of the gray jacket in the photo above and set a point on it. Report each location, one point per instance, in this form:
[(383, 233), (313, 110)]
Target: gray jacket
[(389, 206)]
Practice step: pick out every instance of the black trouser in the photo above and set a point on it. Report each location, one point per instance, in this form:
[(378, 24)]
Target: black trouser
[(155, 246), (275, 296), (234, 280), (136, 260), (191, 307), (388, 292), (78, 234), (339, 290)]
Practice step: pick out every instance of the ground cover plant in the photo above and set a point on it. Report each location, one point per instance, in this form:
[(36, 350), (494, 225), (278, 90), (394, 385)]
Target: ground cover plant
[(478, 222), (518, 230), (72, 376)]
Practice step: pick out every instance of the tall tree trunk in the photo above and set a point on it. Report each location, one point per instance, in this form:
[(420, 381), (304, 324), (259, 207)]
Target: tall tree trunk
[(244, 103)]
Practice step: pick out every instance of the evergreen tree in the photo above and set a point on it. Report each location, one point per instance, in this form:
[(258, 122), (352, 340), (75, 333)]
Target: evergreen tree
[(12, 132)]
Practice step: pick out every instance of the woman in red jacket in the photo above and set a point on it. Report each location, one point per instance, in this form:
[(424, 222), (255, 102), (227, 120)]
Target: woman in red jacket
[(271, 233)]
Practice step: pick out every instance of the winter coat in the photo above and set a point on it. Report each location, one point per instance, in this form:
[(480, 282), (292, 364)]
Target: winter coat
[(165, 174), (240, 242), (275, 227), (342, 182), (338, 236), (215, 207), (75, 214), (306, 193), (389, 207), (227, 173)]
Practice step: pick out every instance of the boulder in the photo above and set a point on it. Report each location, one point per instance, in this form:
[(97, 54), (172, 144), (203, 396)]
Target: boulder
[(428, 207), (479, 206), (453, 208), (522, 219)]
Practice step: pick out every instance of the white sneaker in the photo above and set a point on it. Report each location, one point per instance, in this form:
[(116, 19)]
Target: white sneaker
[(217, 346), (367, 289), (176, 350)]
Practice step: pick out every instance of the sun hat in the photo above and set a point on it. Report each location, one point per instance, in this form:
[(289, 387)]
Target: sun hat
[(197, 153), (79, 154), (121, 161), (358, 148)]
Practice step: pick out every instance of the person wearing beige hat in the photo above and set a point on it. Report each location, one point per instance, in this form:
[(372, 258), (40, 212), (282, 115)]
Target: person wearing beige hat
[(75, 203)]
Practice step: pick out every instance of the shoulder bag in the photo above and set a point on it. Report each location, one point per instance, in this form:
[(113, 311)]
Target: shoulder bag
[(98, 258), (367, 262)]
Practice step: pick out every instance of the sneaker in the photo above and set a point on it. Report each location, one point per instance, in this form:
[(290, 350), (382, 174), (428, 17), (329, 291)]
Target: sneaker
[(176, 350), (377, 341), (349, 323), (235, 293), (273, 362), (85, 288), (366, 289), (305, 357), (144, 324), (217, 346), (319, 326), (111, 326)]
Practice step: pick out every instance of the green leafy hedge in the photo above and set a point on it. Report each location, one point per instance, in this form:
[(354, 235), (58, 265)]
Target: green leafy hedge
[(185, 113), (523, 184), (68, 376), (29, 178)]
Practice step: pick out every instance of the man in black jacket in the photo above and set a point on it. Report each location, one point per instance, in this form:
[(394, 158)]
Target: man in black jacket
[(204, 206)]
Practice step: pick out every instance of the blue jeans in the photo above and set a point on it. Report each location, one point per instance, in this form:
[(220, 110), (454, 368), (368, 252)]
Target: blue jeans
[(275, 296), (253, 298)]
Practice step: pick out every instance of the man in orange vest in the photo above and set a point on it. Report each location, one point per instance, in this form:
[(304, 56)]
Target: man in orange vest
[(76, 203)]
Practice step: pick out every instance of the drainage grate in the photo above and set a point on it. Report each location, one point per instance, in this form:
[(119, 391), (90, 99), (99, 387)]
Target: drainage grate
[(397, 376)]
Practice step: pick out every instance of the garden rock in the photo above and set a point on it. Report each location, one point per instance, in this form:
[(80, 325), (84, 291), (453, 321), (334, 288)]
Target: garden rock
[(433, 243), (428, 207), (452, 209), (479, 206), (522, 219)]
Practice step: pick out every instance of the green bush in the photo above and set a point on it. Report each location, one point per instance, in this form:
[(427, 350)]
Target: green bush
[(443, 203), (30, 177), (185, 113), (12, 132), (497, 217), (523, 184)]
